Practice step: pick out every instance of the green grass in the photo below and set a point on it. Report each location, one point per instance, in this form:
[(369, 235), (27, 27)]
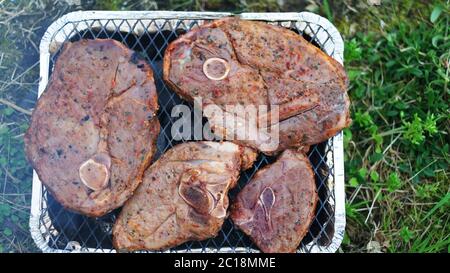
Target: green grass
[(21, 26), (396, 151)]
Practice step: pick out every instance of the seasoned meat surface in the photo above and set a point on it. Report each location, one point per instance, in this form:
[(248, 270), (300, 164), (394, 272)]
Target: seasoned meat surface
[(94, 129), (237, 62), (249, 156), (278, 205), (183, 197)]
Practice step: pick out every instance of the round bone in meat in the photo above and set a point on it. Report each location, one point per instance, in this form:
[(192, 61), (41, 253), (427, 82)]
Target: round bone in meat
[(218, 64), (94, 172)]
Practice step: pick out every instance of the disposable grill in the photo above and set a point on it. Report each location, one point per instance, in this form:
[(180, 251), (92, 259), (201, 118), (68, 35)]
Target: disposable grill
[(56, 229)]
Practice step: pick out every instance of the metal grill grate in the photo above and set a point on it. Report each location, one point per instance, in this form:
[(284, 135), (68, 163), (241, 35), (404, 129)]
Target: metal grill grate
[(64, 230)]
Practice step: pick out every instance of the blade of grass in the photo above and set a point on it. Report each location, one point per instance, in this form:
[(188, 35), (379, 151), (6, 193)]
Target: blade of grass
[(441, 203), (327, 10), (15, 107)]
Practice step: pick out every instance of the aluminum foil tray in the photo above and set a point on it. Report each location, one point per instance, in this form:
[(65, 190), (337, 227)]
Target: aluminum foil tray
[(55, 229)]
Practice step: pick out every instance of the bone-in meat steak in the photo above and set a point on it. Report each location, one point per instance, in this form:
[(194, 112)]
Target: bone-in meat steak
[(278, 205), (238, 62), (183, 197), (94, 129)]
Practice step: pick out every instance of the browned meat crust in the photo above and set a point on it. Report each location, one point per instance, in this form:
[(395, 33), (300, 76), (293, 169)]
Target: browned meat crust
[(249, 156), (94, 129)]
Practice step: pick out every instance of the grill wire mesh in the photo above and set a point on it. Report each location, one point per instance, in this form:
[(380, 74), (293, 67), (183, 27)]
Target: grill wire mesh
[(65, 230)]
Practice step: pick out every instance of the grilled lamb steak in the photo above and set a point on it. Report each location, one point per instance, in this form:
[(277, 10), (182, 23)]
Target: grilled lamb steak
[(278, 205), (183, 197), (94, 129), (237, 62)]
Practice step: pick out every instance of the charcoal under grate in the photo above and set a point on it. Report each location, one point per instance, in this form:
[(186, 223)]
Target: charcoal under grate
[(65, 230)]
